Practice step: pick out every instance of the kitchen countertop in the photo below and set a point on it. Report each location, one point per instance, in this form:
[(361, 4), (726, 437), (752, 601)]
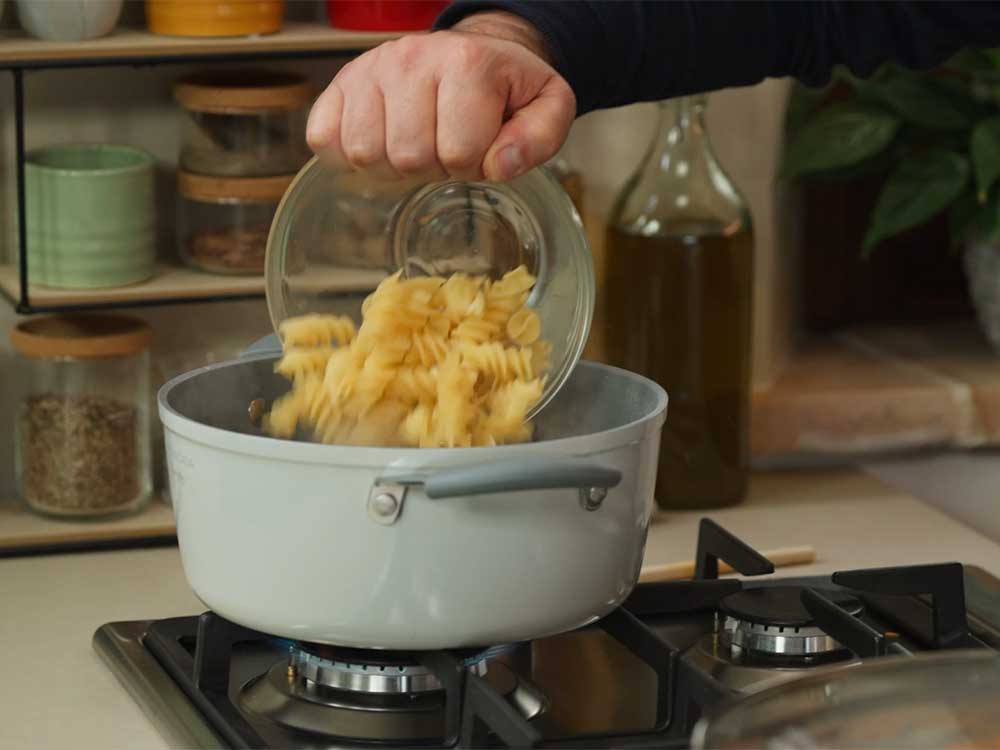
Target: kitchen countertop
[(58, 693)]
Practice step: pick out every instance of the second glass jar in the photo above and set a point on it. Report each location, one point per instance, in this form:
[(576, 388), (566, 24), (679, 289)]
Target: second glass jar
[(223, 223), (677, 306)]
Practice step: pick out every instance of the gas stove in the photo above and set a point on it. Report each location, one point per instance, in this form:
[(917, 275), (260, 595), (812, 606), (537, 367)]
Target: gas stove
[(640, 677)]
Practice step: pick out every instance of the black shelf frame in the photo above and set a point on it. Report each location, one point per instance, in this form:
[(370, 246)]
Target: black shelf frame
[(20, 68)]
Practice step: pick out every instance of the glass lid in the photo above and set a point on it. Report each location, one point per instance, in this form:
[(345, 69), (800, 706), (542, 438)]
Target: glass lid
[(939, 701), (336, 234)]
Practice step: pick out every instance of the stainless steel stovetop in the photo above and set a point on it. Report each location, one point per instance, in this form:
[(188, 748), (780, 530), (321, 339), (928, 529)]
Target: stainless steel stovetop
[(640, 678)]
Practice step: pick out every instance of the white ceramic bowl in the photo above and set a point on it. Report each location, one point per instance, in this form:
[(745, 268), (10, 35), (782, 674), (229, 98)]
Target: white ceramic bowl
[(68, 20)]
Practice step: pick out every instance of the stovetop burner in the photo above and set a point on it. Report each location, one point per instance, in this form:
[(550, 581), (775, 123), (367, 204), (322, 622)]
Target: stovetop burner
[(373, 672), (301, 705), (308, 695), (774, 622)]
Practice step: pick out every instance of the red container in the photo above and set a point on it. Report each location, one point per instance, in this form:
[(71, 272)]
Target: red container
[(383, 15)]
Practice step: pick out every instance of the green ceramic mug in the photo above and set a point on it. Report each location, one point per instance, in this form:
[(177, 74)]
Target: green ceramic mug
[(90, 216)]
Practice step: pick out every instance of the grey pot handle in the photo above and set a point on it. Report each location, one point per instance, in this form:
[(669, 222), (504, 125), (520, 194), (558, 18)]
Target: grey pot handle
[(270, 344), (513, 476)]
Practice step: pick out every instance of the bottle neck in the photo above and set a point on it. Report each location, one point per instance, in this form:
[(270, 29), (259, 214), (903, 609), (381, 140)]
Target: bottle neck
[(680, 186), (682, 127)]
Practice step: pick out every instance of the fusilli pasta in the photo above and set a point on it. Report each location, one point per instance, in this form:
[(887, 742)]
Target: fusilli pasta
[(436, 363)]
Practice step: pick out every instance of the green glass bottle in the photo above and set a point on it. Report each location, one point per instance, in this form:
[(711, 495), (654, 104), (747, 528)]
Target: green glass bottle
[(678, 303)]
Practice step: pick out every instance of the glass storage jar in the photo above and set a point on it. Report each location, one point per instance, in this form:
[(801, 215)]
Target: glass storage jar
[(223, 223), (239, 123), (82, 428)]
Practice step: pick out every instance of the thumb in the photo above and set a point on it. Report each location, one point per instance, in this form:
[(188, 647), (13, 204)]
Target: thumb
[(533, 134)]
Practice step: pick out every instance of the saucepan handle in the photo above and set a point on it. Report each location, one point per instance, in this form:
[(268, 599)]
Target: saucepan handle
[(270, 344), (542, 473)]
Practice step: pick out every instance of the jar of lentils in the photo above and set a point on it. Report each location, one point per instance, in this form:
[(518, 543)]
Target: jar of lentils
[(82, 431)]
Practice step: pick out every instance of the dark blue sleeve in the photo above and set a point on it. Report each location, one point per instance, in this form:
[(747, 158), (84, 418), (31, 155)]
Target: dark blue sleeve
[(618, 52)]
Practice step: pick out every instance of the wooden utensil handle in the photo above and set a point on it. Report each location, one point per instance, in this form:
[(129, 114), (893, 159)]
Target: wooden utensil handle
[(680, 571)]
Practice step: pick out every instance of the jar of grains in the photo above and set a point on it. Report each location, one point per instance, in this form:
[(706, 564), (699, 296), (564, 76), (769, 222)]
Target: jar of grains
[(82, 431), (223, 222)]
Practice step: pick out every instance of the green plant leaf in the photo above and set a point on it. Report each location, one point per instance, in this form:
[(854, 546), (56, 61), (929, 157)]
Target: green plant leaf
[(993, 54), (920, 100), (843, 74), (960, 92), (970, 61), (984, 148), (802, 102), (918, 189), (879, 164), (841, 135)]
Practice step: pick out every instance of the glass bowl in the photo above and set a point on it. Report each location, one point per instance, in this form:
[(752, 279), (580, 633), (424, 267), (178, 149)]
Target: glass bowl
[(336, 234), (942, 700)]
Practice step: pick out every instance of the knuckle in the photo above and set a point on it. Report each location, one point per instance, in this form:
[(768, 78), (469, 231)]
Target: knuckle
[(566, 92), (346, 70), (411, 161), (318, 135), (459, 158), (467, 53), (362, 154), (406, 51)]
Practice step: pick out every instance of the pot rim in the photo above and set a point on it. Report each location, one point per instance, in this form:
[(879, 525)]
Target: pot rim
[(280, 449)]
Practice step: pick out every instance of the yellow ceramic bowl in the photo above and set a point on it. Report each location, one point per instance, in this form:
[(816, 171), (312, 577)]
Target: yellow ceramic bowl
[(206, 18)]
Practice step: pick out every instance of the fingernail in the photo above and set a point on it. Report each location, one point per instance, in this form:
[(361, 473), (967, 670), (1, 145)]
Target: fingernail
[(509, 162)]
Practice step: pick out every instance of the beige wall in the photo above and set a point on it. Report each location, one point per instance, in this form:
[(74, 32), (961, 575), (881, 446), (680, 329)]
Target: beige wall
[(132, 105)]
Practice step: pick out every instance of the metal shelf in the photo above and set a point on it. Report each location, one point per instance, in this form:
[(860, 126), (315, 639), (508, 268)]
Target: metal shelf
[(130, 47)]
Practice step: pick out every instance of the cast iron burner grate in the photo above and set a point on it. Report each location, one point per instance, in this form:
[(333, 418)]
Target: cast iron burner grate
[(781, 607), (476, 714)]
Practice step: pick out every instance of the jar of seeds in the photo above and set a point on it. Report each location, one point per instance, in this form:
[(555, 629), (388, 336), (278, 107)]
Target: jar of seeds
[(82, 431)]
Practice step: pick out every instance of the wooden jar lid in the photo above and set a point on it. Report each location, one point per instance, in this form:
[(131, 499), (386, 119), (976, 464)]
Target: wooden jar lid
[(81, 336), (201, 187), (246, 91)]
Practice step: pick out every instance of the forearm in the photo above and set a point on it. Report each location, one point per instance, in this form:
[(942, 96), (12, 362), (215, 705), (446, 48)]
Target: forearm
[(614, 53)]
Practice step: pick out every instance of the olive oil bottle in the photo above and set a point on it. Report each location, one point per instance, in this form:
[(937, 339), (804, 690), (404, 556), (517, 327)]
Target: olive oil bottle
[(677, 306)]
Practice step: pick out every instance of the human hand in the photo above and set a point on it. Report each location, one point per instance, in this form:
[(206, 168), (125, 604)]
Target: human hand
[(479, 101)]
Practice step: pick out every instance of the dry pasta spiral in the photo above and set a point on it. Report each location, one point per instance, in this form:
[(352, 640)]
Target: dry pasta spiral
[(502, 364), (436, 363), (309, 331)]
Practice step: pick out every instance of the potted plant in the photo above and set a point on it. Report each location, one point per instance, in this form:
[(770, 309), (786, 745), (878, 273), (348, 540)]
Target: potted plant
[(936, 135)]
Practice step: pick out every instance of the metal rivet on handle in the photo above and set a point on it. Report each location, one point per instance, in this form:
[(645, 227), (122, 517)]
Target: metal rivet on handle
[(385, 504), (592, 497)]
